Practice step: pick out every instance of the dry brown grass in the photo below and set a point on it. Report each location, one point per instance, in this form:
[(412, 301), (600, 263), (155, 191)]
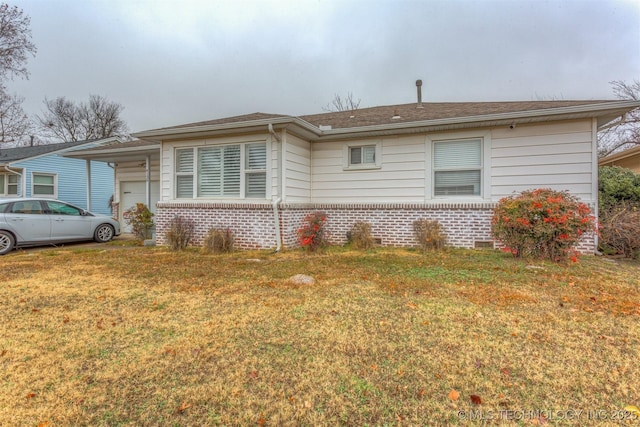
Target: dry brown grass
[(146, 336)]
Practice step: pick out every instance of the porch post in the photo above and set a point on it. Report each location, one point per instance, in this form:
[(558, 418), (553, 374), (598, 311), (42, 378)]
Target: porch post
[(88, 184), (148, 181)]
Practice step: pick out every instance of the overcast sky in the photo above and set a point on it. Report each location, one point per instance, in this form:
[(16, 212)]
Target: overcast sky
[(180, 61)]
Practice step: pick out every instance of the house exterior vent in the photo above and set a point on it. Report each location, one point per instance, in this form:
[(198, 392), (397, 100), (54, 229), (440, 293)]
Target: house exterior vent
[(419, 88)]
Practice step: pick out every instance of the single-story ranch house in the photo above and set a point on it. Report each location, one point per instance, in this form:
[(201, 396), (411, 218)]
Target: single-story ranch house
[(261, 174)]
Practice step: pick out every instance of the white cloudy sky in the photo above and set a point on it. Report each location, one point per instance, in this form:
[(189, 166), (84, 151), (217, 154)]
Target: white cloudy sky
[(178, 61)]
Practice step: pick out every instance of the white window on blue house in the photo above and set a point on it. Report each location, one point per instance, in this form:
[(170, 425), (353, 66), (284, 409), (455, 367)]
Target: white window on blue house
[(225, 171), (457, 168), (43, 185), (8, 185)]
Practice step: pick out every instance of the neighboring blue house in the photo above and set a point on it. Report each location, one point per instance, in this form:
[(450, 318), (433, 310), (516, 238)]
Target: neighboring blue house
[(42, 171)]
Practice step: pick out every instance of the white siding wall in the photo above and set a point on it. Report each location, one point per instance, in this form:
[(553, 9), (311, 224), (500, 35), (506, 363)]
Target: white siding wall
[(298, 170), (557, 156), (401, 177)]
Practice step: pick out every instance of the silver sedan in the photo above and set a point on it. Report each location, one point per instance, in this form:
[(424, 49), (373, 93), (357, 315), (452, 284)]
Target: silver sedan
[(33, 222)]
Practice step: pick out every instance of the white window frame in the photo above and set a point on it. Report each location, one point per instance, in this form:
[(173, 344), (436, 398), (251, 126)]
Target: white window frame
[(485, 162), (4, 188), (244, 172), (54, 185), (346, 155)]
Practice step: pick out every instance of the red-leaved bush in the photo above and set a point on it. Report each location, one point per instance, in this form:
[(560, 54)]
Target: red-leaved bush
[(542, 223), (313, 233)]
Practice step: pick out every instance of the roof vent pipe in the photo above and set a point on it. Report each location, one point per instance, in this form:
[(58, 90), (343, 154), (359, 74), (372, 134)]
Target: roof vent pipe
[(419, 87)]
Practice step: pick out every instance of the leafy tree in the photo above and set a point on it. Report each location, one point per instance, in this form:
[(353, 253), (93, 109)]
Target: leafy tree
[(66, 121), (625, 132)]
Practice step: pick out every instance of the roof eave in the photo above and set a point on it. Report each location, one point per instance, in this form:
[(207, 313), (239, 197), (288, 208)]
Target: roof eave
[(288, 122)]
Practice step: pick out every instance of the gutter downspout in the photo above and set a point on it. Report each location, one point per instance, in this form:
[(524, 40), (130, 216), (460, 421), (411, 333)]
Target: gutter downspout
[(276, 203)]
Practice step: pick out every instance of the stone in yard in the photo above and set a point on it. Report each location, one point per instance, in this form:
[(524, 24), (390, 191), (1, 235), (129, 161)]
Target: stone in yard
[(301, 279)]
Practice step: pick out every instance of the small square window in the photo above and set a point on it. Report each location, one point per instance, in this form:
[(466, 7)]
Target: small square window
[(361, 156)]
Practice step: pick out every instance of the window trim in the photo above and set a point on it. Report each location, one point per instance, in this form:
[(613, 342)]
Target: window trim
[(244, 171), (346, 155), (54, 185)]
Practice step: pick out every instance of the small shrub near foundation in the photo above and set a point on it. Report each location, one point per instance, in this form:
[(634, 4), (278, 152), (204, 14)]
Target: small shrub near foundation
[(430, 234), (313, 233), (219, 240), (180, 233), (140, 218), (360, 236)]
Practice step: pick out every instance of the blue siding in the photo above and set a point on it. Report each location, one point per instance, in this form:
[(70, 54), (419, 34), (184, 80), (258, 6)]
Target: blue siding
[(72, 180)]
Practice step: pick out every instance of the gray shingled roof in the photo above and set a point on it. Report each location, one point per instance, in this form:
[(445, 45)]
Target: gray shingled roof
[(402, 113), (8, 155)]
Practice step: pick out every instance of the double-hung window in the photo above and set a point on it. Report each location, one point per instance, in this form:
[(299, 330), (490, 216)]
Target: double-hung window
[(8, 185), (43, 185), (457, 167), (236, 170)]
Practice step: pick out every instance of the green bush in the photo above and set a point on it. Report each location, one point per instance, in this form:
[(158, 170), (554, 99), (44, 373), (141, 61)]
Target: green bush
[(140, 218), (541, 223), (430, 234), (615, 185), (219, 241), (360, 236), (180, 233)]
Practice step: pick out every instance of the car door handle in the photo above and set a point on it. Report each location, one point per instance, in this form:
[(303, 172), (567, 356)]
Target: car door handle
[(17, 219), (59, 219)]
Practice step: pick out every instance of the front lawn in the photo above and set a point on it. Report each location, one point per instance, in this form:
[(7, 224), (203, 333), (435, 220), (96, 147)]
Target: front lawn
[(146, 336)]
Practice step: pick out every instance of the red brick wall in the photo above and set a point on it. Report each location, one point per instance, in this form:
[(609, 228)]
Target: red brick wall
[(253, 224)]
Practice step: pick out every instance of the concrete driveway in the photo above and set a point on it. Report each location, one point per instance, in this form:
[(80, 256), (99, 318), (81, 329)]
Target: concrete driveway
[(88, 244)]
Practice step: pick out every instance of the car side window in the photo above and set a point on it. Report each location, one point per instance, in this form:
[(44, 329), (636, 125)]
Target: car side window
[(29, 207), (58, 208), (3, 207)]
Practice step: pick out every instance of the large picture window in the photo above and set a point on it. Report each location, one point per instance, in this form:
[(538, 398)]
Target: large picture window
[(238, 170), (457, 167)]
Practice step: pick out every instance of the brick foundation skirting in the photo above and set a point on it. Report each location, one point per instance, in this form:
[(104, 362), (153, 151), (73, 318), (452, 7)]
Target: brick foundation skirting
[(253, 225)]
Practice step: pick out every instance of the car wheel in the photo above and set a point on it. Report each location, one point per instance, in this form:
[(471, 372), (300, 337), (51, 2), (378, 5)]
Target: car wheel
[(7, 242), (103, 233)]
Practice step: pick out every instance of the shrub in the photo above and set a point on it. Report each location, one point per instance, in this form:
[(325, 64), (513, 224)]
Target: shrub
[(219, 240), (430, 234), (313, 234), (180, 233), (619, 194), (620, 230), (615, 185), (140, 218), (541, 223), (360, 236)]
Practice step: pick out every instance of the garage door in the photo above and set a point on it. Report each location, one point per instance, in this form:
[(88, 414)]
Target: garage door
[(133, 192)]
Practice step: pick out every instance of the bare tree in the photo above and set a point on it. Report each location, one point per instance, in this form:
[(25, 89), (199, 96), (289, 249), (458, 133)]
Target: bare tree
[(625, 132), (65, 121), (14, 123), (343, 104), (15, 42)]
